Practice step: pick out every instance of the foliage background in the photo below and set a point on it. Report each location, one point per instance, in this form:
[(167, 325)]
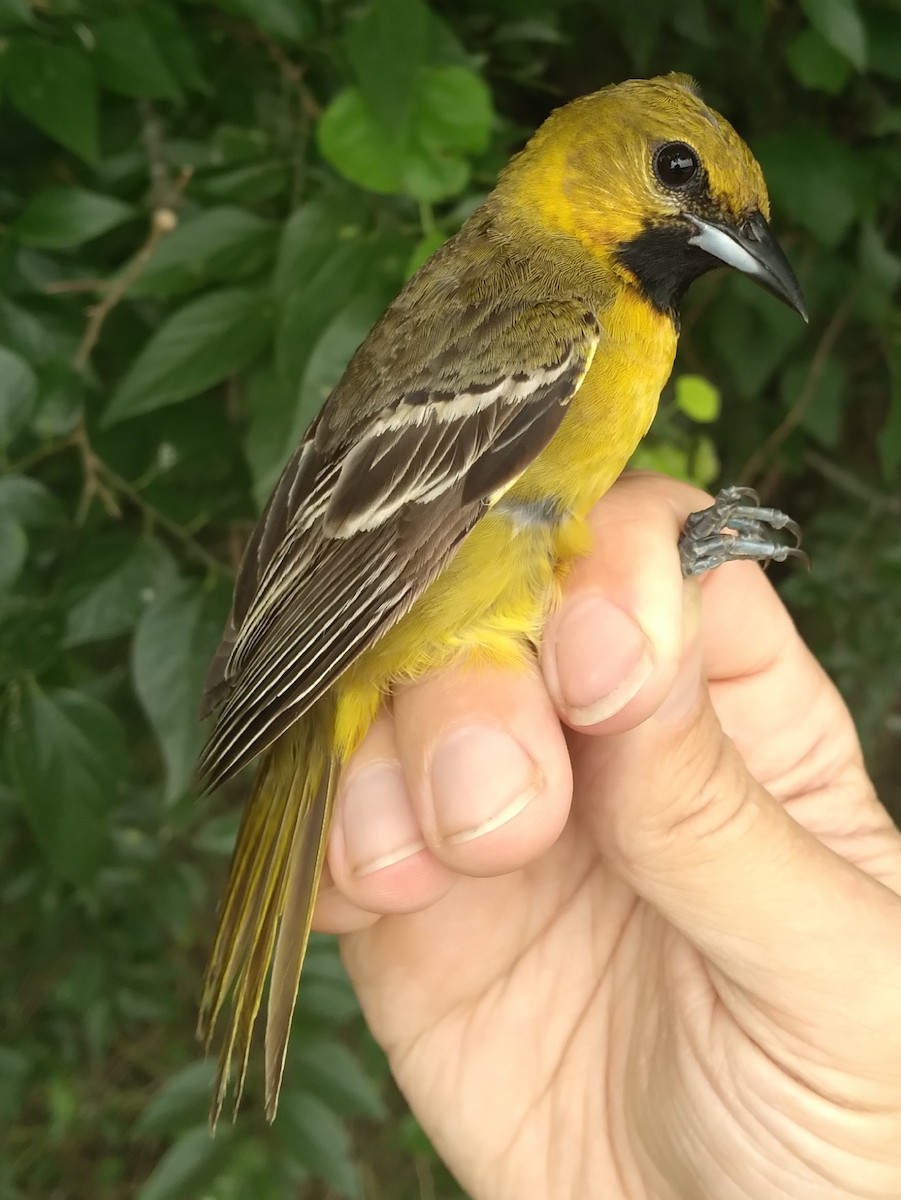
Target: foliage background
[(203, 207)]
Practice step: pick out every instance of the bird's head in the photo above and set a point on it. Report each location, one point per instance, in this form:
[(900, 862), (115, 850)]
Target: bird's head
[(651, 180)]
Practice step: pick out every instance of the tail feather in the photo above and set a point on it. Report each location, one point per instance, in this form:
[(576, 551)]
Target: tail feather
[(240, 911), (281, 842), (294, 932)]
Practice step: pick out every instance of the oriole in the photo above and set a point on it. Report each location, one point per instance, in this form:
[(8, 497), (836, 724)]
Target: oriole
[(435, 503)]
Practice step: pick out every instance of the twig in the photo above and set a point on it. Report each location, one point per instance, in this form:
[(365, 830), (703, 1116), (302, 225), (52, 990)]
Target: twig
[(92, 468), (162, 222), (293, 73), (60, 287), (165, 192), (795, 414), (153, 514), (853, 486), (100, 481)]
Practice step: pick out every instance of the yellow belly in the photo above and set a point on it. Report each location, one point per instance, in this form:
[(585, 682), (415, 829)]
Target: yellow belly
[(491, 601)]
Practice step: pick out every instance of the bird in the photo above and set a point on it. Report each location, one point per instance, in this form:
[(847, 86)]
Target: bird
[(435, 504)]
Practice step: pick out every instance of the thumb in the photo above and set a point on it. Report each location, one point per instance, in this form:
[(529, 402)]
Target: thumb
[(678, 816)]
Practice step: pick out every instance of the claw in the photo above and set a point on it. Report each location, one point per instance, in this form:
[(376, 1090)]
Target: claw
[(705, 543)]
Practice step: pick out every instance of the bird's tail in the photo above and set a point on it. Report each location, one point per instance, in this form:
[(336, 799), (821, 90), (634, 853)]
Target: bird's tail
[(268, 904)]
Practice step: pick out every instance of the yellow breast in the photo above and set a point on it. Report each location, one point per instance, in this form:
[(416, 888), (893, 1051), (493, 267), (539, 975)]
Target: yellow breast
[(612, 410)]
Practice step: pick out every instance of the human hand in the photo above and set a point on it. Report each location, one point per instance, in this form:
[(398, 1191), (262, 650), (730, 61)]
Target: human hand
[(659, 957)]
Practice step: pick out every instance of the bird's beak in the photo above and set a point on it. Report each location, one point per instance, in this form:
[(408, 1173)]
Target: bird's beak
[(752, 249)]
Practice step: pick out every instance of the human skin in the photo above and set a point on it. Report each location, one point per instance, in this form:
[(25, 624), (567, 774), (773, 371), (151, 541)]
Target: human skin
[(656, 956)]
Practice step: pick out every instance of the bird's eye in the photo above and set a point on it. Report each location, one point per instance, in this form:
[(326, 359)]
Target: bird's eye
[(676, 164)]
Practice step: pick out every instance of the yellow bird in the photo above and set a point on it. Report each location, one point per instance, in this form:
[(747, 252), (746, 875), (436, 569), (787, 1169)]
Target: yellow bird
[(432, 510)]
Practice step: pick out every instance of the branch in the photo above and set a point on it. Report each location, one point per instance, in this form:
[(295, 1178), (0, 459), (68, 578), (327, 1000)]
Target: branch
[(795, 414), (92, 477), (153, 514), (162, 222), (852, 486)]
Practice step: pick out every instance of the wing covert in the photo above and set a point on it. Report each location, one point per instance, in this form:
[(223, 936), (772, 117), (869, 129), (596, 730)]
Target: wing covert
[(358, 526)]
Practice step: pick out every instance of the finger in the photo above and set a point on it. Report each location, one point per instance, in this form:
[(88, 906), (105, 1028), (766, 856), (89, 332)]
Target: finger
[(377, 856), (487, 766), (611, 650), (771, 695), (334, 913), (777, 912)]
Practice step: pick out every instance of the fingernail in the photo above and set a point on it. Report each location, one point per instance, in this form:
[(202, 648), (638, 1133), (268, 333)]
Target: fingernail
[(481, 779), (379, 825), (603, 659)]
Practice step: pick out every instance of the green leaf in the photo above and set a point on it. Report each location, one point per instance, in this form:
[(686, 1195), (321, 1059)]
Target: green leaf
[(432, 174), (174, 44), (387, 48), (53, 87), (316, 345), (309, 239), (306, 311), (887, 122), (59, 217), (815, 64), (14, 13), (316, 1137), (327, 994), (878, 264), (183, 1099), (814, 179), (270, 406), (333, 351), (841, 26), (357, 146), (286, 20), (128, 61), (751, 335), (890, 435), (174, 642), (704, 465), (690, 19), (331, 1071), (697, 398), (451, 118), (18, 393), (248, 184), (30, 636), (38, 338), (61, 401), (66, 754), (323, 260), (884, 41), (663, 457), (29, 502), (639, 27), (219, 244), (822, 396), (196, 347), (13, 551), (15, 1068), (113, 604), (189, 1167)]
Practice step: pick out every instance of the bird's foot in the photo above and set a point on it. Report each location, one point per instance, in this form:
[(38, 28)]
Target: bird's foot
[(705, 542)]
